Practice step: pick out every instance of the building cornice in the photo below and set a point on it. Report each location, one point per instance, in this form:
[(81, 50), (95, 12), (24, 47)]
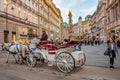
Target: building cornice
[(52, 6), (111, 5), (17, 19)]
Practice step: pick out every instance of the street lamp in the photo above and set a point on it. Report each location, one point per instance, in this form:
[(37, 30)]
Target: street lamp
[(7, 12), (7, 16)]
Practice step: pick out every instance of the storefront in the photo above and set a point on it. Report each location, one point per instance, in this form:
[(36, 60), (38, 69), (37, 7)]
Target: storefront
[(23, 38)]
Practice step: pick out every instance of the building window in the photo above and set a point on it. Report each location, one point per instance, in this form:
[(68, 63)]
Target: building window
[(119, 10), (116, 11), (6, 1), (5, 5), (28, 16), (19, 12), (13, 37), (24, 1), (13, 6), (32, 18), (24, 14), (5, 8)]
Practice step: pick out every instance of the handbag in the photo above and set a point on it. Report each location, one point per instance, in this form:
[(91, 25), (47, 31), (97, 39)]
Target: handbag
[(107, 52)]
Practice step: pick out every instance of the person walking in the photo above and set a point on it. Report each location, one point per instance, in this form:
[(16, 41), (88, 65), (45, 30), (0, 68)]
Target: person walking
[(118, 42), (44, 36), (112, 51)]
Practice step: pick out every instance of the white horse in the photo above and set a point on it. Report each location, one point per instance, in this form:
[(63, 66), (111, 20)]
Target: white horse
[(14, 49)]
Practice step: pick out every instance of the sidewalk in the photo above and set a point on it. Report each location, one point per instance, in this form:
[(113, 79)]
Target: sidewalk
[(95, 56), (96, 73), (44, 72)]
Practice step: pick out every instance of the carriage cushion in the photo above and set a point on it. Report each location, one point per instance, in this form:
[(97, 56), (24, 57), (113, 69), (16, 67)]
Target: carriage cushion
[(50, 47)]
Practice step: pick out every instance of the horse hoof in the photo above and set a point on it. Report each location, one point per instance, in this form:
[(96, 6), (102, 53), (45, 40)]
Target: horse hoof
[(16, 62), (20, 63), (6, 61)]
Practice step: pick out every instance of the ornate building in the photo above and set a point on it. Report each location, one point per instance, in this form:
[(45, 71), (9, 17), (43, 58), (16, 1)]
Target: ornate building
[(113, 17), (77, 28), (98, 26), (50, 19), (17, 18), (86, 27), (23, 19)]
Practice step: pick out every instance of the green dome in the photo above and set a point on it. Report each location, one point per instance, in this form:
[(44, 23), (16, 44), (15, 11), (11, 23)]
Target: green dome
[(65, 24), (88, 17), (80, 17)]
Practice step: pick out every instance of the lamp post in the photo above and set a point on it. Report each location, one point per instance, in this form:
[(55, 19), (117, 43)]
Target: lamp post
[(7, 12), (7, 17)]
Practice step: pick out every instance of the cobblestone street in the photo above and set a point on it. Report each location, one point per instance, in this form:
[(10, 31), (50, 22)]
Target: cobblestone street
[(95, 68), (95, 56)]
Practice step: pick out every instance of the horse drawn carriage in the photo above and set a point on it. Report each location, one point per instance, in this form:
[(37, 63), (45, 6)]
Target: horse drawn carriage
[(65, 57)]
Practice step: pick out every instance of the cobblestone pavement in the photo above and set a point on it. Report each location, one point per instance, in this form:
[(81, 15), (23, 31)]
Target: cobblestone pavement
[(95, 56), (12, 71)]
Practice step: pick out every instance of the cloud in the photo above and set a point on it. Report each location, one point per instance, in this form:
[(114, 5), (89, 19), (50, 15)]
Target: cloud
[(87, 11), (66, 6), (74, 6)]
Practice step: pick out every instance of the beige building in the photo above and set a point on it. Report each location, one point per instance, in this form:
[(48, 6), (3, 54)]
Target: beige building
[(99, 20), (86, 29), (23, 19), (18, 18), (50, 19), (77, 28), (93, 24), (113, 17)]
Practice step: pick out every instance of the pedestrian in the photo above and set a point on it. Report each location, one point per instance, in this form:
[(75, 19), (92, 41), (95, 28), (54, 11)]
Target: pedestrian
[(44, 36), (79, 45), (112, 51), (118, 42), (95, 41), (2, 46), (91, 40)]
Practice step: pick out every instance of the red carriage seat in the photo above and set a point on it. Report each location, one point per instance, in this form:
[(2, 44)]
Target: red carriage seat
[(50, 47), (53, 48)]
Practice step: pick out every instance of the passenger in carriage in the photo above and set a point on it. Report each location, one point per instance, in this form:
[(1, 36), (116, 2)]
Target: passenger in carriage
[(44, 36)]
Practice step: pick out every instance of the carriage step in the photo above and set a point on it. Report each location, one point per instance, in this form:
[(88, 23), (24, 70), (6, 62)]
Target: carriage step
[(50, 63)]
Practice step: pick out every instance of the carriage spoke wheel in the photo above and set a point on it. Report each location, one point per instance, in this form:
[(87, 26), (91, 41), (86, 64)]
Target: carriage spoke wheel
[(31, 61), (65, 62)]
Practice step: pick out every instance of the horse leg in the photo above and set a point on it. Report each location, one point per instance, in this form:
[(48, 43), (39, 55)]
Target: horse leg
[(21, 59), (18, 58), (15, 58), (7, 57)]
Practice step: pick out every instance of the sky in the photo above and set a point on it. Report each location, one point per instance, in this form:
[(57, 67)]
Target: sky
[(77, 7)]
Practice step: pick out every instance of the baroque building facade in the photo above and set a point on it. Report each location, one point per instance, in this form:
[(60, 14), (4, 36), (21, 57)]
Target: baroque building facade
[(113, 17), (22, 19), (86, 26), (78, 29), (107, 19), (17, 18), (98, 24), (50, 19)]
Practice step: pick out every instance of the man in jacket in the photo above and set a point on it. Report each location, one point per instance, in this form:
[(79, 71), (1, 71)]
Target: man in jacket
[(44, 36)]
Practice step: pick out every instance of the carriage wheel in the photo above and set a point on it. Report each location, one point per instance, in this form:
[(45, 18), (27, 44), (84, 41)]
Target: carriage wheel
[(65, 62), (31, 61)]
